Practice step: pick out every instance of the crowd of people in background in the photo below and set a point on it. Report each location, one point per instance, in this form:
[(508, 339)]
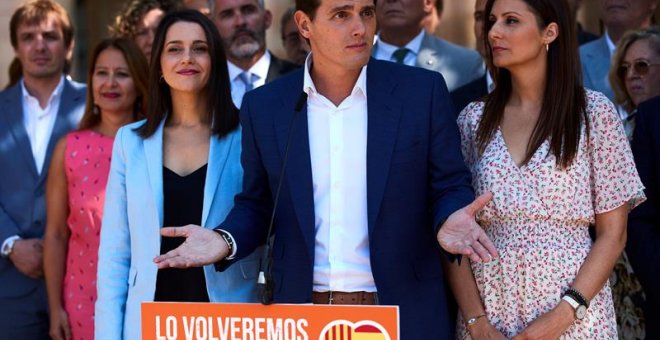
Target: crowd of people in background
[(186, 116)]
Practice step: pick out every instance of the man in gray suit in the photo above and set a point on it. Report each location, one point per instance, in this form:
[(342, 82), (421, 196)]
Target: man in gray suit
[(242, 25), (34, 114), (402, 39), (618, 16)]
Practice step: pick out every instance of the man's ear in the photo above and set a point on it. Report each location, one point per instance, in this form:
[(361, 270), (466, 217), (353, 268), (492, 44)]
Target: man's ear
[(268, 19), (303, 22), (428, 6), (69, 52)]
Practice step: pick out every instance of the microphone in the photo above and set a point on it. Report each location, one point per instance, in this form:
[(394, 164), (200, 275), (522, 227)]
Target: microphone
[(265, 283)]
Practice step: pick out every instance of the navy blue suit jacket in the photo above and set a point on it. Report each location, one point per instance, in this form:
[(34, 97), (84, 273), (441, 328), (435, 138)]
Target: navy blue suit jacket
[(643, 247), (22, 187), (415, 179)]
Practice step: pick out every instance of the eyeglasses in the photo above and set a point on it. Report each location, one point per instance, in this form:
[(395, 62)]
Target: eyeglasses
[(641, 67)]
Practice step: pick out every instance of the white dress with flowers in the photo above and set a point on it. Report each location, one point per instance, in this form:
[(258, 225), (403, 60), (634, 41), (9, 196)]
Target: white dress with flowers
[(539, 218)]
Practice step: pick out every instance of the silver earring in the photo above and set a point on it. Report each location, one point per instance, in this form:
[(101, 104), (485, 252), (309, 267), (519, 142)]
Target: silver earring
[(95, 110), (547, 47)]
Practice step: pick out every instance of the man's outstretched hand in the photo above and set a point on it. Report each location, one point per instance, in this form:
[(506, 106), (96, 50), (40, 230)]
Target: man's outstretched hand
[(202, 247), (460, 234)]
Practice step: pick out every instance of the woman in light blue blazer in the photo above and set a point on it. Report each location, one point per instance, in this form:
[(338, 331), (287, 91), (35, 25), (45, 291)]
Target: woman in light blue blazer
[(180, 166)]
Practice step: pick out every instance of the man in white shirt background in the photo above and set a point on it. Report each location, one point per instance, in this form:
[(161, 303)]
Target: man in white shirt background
[(402, 39), (34, 114), (242, 25)]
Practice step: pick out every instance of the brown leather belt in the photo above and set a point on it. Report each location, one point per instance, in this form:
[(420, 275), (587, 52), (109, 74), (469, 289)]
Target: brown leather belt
[(344, 298)]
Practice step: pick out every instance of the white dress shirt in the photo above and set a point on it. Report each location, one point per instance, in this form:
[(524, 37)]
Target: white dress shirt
[(260, 69), (39, 122), (385, 51), (338, 152)]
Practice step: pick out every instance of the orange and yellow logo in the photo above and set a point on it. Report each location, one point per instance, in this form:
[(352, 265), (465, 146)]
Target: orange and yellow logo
[(361, 330)]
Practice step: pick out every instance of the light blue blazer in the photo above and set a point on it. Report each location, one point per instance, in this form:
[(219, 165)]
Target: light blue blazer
[(133, 216), (596, 59), (457, 64)]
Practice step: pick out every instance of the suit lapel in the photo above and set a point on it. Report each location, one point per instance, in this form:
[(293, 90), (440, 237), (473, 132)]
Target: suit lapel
[(298, 173), (428, 57), (13, 115), (273, 69), (153, 150), (218, 154), (384, 113), (65, 121)]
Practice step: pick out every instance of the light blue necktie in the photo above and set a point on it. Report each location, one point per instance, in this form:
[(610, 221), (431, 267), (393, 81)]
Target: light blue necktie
[(248, 79)]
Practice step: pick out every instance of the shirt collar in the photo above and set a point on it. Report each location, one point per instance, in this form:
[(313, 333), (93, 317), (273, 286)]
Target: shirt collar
[(55, 94), (413, 45), (260, 68), (310, 88), (610, 44), (490, 83)]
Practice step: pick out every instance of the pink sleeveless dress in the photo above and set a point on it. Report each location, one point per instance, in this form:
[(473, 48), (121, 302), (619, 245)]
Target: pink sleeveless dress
[(87, 164)]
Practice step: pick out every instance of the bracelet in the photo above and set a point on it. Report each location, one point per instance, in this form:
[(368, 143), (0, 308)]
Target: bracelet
[(472, 321), (577, 296)]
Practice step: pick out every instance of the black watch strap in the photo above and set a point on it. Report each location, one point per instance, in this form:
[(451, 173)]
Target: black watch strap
[(229, 239)]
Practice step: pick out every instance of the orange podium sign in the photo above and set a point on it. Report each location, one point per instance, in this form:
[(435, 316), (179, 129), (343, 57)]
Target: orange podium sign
[(226, 321)]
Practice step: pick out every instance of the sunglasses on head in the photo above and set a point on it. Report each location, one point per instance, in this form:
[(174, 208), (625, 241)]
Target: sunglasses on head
[(641, 67)]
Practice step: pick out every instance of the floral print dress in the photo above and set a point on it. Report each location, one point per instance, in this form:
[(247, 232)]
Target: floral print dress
[(539, 217)]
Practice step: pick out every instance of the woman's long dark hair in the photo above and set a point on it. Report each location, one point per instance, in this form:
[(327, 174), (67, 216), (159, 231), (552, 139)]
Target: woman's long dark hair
[(563, 110), (222, 113)]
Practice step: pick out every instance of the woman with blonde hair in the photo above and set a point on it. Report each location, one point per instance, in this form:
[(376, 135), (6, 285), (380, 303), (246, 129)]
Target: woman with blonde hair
[(635, 72)]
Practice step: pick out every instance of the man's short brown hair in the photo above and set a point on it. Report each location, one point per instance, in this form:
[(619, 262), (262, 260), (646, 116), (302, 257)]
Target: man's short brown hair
[(34, 12)]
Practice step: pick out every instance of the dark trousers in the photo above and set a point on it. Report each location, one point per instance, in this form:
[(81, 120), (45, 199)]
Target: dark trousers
[(25, 317)]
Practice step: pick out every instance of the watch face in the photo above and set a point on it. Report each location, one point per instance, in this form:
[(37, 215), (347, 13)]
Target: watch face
[(580, 312)]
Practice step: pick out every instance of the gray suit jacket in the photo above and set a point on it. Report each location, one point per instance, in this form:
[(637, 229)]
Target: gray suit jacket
[(22, 189), (458, 65), (595, 58)]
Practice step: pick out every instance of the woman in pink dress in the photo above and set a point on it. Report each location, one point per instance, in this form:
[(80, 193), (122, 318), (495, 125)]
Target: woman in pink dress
[(75, 189), (556, 159)]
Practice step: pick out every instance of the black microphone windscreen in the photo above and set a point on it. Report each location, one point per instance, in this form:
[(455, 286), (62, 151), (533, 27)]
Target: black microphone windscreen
[(302, 100)]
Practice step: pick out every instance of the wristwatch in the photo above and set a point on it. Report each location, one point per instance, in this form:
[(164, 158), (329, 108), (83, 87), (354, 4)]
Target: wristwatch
[(577, 301), (230, 243), (8, 246), (471, 321)]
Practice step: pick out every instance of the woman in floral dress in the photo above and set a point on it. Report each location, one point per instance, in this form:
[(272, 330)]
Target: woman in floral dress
[(556, 159)]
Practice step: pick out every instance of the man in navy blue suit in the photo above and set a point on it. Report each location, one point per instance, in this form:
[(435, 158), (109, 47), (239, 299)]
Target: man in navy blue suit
[(643, 247), (374, 179), (34, 114)]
